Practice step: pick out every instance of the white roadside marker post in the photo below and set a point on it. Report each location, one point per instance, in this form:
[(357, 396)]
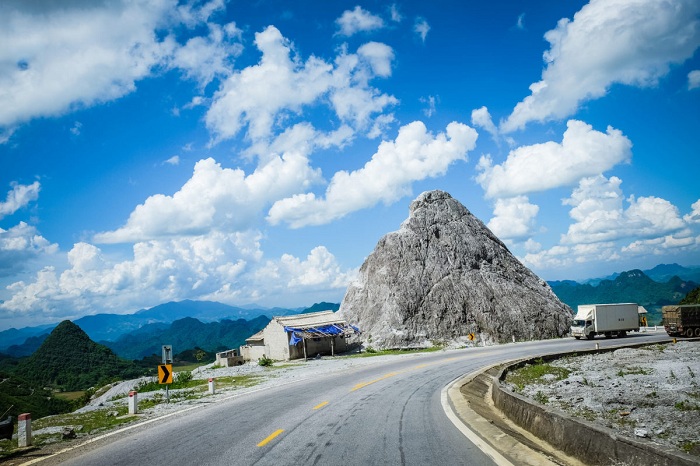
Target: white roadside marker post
[(24, 430), (133, 402)]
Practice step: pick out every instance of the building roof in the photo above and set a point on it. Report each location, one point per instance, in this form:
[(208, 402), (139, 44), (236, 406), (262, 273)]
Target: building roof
[(312, 319), (257, 337)]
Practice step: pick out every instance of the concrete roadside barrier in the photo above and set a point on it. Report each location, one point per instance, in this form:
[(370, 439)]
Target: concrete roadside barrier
[(212, 386)]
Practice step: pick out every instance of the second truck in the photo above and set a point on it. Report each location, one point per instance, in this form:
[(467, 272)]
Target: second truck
[(605, 319)]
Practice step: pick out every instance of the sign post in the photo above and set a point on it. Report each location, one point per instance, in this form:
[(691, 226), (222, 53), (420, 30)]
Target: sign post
[(165, 370)]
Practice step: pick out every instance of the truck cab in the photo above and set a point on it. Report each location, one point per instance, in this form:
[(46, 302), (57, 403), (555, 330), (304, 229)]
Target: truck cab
[(582, 328)]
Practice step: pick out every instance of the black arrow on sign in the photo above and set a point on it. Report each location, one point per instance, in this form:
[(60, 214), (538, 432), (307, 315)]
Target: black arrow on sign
[(166, 374)]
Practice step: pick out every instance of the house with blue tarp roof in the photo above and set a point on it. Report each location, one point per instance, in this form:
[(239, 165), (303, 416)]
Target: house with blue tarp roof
[(300, 336)]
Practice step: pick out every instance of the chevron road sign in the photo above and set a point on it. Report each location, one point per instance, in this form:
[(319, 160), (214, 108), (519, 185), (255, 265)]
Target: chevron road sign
[(165, 373)]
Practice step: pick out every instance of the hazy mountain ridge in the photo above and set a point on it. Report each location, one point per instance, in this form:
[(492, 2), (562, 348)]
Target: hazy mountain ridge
[(147, 324), (633, 286), (187, 333)]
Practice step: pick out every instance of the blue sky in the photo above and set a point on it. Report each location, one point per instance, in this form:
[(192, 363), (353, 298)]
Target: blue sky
[(255, 152)]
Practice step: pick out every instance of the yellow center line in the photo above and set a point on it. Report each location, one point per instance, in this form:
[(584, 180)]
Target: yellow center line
[(270, 437), (364, 384), (321, 405)]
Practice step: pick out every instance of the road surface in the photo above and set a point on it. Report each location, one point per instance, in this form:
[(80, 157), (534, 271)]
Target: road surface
[(386, 413)]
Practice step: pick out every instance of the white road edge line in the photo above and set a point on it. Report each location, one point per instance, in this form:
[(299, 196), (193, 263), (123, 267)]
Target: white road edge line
[(499, 459)]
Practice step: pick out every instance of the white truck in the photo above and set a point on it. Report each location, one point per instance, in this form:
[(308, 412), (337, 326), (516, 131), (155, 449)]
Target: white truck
[(605, 319)]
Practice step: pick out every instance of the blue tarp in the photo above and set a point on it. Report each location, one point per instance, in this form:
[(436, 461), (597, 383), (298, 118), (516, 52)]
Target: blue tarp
[(320, 331)]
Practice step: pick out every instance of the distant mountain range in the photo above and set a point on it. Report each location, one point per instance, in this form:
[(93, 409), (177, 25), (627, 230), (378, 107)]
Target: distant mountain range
[(115, 329), (670, 285)]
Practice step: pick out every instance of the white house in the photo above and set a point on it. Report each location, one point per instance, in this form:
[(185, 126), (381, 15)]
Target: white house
[(300, 336)]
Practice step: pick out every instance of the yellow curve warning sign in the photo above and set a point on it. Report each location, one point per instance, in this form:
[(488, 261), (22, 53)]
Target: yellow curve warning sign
[(165, 373)]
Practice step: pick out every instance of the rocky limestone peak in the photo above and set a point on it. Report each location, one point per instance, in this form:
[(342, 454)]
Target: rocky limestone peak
[(443, 276)]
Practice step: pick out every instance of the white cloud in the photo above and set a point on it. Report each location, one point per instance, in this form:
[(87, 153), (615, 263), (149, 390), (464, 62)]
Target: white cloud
[(279, 86), (520, 24), (94, 52), (174, 160), (215, 197), (226, 267), (395, 13), (83, 56), (600, 215), (605, 222), (421, 27), (20, 196), (630, 42), (694, 216), (694, 79), (430, 100), (414, 155), (481, 118), (20, 244), (380, 56), (358, 20), (676, 242), (204, 58), (582, 152), (513, 218)]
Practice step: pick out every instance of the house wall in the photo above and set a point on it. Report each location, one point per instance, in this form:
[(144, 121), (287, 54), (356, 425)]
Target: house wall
[(276, 341), (252, 352)]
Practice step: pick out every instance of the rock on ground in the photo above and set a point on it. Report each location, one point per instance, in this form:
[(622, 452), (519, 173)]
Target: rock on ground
[(443, 276), (651, 392)]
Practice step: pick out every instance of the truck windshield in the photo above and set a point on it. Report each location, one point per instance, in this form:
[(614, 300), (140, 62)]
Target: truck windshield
[(578, 323)]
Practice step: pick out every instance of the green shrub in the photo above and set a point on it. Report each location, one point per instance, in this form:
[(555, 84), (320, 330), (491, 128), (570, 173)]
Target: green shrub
[(265, 361)]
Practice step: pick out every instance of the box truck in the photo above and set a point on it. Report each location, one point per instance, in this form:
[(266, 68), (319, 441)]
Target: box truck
[(605, 319), (682, 320)]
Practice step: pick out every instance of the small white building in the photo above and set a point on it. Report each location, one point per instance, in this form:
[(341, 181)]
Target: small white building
[(300, 336)]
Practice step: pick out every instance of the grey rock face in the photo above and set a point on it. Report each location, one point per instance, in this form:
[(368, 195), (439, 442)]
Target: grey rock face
[(442, 276)]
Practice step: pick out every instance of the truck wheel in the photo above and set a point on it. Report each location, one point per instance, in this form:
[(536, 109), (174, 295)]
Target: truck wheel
[(590, 336), (578, 338), (689, 333), (608, 335), (622, 334), (697, 331)]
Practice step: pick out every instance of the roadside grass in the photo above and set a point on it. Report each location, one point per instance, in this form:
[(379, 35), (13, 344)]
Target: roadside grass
[(92, 422), (535, 373), (370, 352), (70, 396)]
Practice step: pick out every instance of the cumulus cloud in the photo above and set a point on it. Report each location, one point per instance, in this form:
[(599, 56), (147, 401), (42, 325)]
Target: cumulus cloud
[(421, 27), (694, 79), (600, 216), (215, 197), (416, 154), (20, 196), (694, 216), (204, 58), (582, 152), (481, 118), (20, 244), (513, 218), (631, 42), (221, 266), (100, 50), (358, 20), (605, 221), (278, 85)]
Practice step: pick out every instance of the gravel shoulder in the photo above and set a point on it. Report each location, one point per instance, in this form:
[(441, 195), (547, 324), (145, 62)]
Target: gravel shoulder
[(651, 392)]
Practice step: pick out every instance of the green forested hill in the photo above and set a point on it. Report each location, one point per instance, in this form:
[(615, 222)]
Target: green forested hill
[(633, 286), (22, 396), (69, 360), (185, 334), (692, 298)]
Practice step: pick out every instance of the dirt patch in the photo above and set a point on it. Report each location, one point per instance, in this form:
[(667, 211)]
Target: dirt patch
[(651, 392)]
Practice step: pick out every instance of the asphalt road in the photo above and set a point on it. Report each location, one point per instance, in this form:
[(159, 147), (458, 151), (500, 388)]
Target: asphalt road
[(381, 414)]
